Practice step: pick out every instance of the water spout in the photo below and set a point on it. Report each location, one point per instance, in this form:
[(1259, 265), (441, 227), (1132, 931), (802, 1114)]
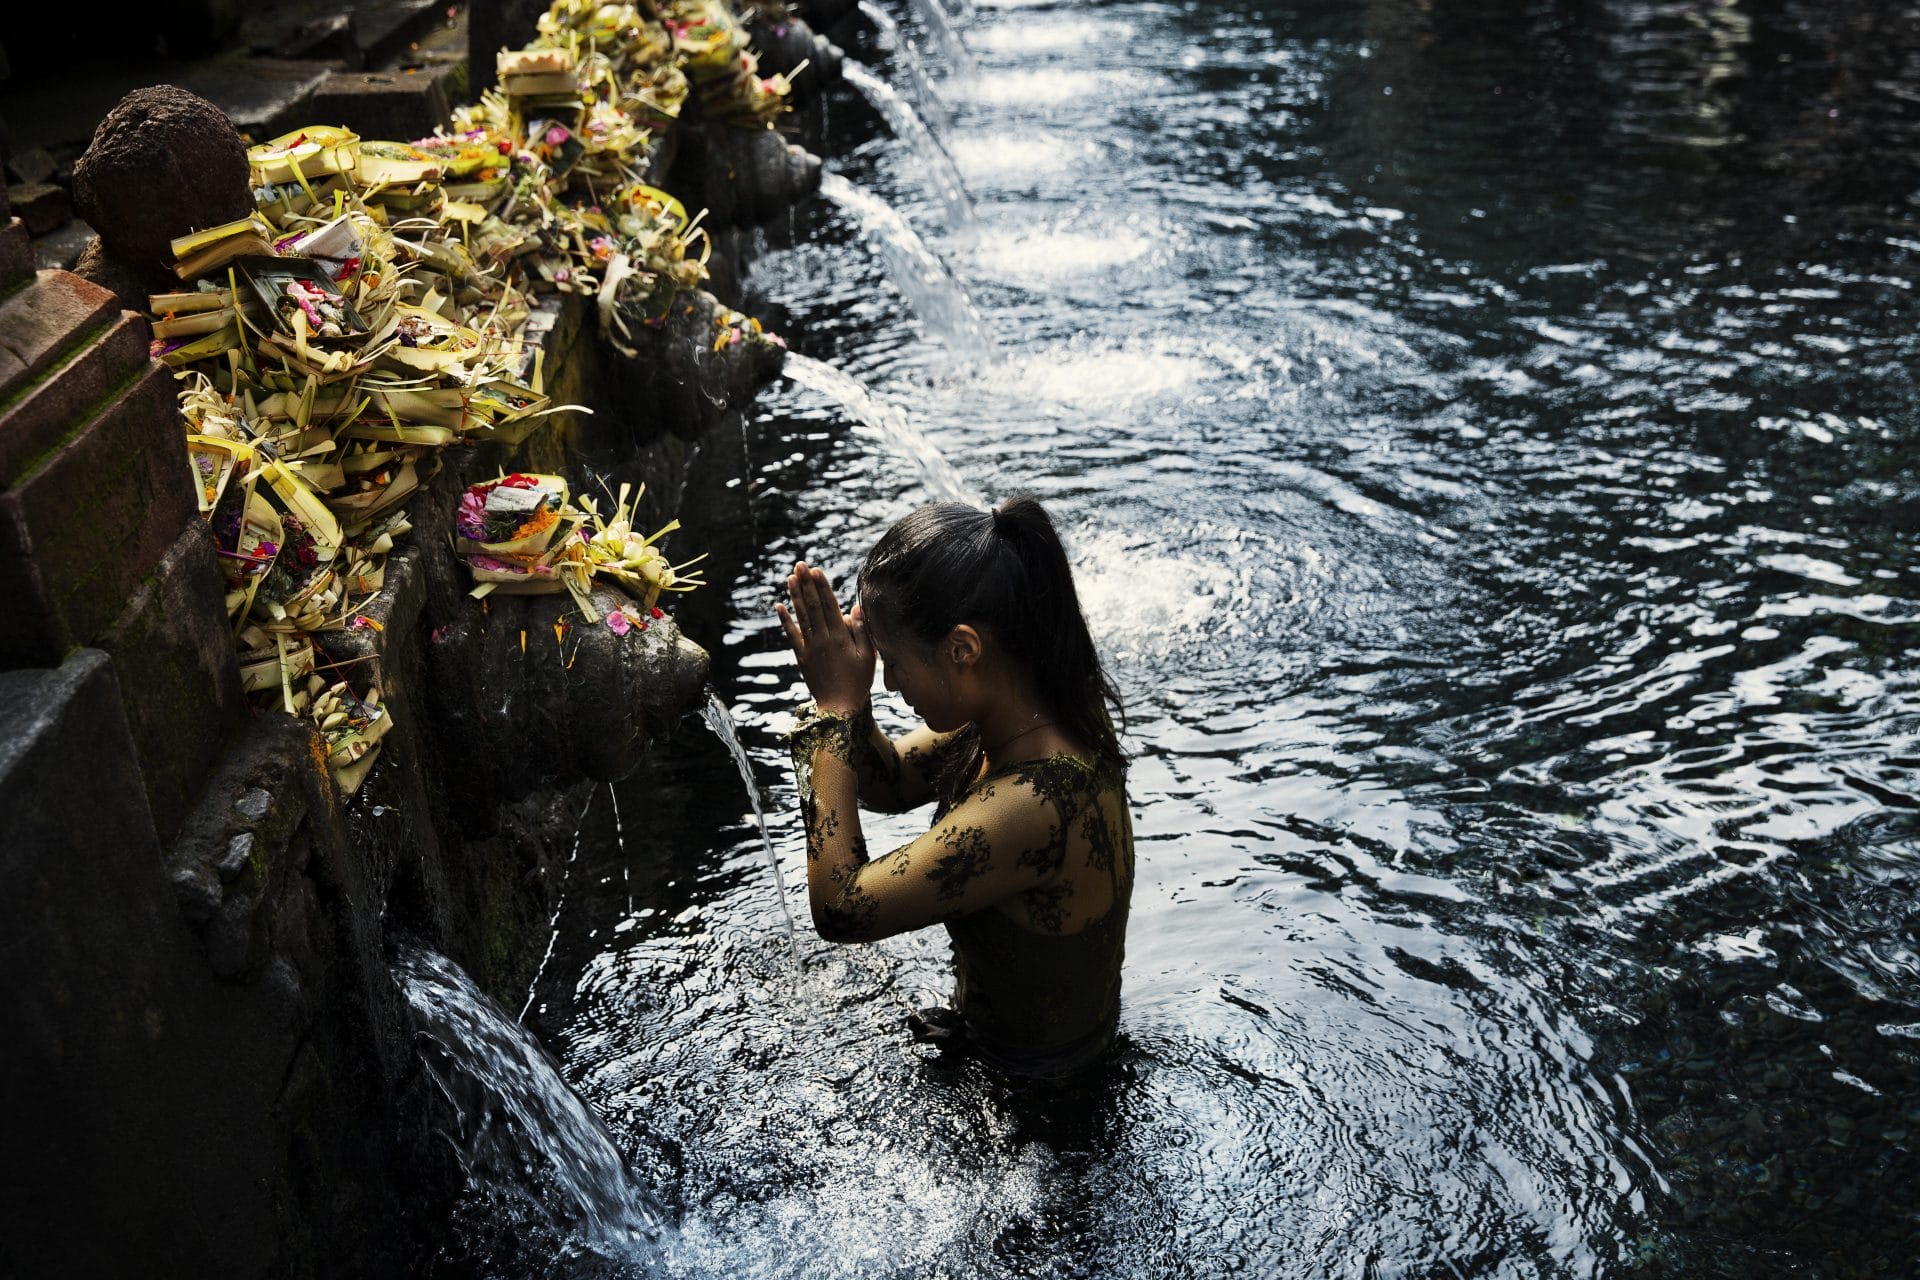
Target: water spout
[(934, 19), (560, 899), (907, 126), (930, 289), (889, 421), (515, 1115), (907, 56), (722, 725)]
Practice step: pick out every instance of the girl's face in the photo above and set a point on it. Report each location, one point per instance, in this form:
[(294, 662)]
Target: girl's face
[(921, 681)]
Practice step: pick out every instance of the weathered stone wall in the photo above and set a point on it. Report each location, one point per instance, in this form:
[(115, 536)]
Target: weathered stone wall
[(216, 1074)]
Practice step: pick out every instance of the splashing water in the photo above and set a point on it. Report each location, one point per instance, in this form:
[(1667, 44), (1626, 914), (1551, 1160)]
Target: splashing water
[(722, 725), (516, 1116), (887, 420), (934, 162), (930, 289)]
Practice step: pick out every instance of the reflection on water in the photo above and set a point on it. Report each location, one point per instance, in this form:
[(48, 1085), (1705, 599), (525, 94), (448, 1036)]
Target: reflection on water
[(1487, 435)]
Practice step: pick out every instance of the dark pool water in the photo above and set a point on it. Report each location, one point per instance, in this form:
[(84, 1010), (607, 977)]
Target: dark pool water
[(1487, 434)]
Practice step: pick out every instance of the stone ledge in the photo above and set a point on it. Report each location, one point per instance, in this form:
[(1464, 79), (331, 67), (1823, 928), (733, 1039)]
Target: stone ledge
[(71, 393), (41, 321), (84, 528)]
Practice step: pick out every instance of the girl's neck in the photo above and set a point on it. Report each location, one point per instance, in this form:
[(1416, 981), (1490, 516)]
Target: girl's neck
[(1023, 730)]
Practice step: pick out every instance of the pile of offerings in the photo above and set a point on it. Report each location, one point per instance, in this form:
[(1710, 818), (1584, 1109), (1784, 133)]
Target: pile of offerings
[(374, 308)]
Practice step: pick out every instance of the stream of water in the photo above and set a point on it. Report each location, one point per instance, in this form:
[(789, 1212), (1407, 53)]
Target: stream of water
[(1486, 436), (721, 723)]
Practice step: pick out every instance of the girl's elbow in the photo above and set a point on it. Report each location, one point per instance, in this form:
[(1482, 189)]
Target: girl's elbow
[(836, 924)]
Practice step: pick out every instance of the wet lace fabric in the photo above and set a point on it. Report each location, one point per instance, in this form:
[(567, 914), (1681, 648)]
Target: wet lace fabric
[(1044, 1003), (1030, 867)]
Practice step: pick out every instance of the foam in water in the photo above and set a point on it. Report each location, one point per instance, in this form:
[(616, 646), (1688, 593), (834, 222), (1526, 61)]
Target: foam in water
[(888, 421), (515, 1114), (722, 725), (912, 131), (935, 296)]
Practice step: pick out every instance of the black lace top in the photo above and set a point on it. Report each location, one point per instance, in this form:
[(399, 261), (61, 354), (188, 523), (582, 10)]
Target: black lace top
[(1030, 867), (1045, 1001)]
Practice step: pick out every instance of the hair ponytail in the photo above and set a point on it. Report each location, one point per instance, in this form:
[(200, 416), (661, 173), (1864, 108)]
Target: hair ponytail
[(1004, 572)]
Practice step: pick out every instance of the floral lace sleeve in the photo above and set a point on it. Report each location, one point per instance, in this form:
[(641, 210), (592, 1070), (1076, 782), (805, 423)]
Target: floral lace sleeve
[(1006, 836), (893, 778)]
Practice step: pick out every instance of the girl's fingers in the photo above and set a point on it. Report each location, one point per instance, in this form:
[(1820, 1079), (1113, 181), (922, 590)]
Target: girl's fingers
[(797, 592), (823, 595), (792, 628)]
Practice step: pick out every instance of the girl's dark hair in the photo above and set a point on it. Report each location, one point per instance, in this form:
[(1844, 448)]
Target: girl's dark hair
[(1004, 573)]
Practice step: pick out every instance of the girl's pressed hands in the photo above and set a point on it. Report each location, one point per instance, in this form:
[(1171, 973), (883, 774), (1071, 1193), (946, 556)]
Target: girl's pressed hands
[(835, 654)]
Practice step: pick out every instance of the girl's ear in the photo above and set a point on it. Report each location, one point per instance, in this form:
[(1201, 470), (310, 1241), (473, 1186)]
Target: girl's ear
[(962, 646)]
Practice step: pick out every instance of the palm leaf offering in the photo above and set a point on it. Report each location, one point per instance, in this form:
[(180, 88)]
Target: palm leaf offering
[(373, 310)]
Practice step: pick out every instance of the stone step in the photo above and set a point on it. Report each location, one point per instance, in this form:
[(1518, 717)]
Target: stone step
[(41, 324), (71, 392), (83, 527)]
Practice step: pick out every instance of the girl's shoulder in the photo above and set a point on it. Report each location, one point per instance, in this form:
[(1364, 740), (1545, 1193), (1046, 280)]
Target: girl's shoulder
[(1064, 777)]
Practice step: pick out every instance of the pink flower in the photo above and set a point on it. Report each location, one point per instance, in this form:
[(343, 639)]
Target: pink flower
[(472, 520), (557, 135), (619, 623)]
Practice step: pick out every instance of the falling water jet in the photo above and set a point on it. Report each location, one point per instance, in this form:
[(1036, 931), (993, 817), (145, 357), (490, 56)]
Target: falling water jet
[(888, 420), (907, 125), (516, 1117), (553, 924), (929, 288), (722, 725), (934, 19), (907, 55)]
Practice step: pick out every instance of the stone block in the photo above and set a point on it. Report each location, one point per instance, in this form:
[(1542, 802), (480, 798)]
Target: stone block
[(395, 105), (81, 877), (41, 205), (42, 322), (71, 394), (174, 655), (35, 164), (16, 255), (82, 528)]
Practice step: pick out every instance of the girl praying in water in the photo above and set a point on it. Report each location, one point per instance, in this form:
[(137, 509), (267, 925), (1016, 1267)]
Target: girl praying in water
[(1029, 864)]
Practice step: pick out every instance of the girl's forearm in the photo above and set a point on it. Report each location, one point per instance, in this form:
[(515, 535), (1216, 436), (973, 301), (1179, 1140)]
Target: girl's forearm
[(836, 849), (824, 747)]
